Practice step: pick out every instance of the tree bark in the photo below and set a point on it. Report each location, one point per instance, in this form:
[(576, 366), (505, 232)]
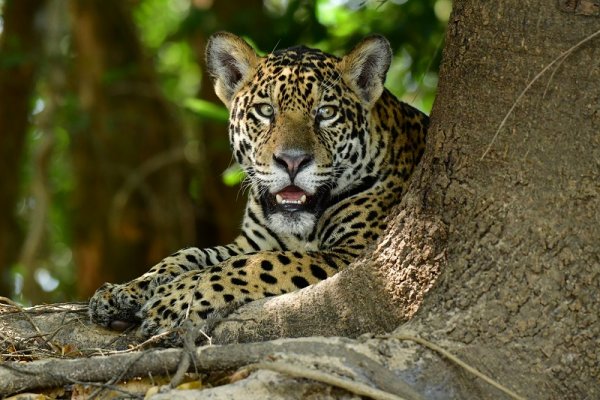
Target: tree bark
[(522, 204), (223, 205), (19, 53), (132, 205)]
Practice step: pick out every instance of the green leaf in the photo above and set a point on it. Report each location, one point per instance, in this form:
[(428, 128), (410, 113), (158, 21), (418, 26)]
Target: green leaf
[(206, 109), (233, 175)]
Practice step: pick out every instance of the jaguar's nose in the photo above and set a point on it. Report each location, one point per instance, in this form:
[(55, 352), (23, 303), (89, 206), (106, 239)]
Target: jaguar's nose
[(293, 161)]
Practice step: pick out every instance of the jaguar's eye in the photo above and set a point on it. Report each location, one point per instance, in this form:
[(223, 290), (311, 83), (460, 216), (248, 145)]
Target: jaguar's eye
[(326, 112), (264, 110)]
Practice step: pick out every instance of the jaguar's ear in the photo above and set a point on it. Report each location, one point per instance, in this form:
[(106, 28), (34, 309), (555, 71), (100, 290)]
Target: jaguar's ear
[(230, 61), (364, 68)]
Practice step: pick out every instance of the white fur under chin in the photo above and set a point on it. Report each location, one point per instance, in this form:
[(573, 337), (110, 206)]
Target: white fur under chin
[(298, 223)]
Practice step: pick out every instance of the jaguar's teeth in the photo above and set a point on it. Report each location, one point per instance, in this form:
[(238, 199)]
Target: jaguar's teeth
[(291, 202), (280, 200)]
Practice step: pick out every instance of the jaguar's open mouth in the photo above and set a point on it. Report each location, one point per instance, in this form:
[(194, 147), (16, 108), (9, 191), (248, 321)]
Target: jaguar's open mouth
[(293, 199)]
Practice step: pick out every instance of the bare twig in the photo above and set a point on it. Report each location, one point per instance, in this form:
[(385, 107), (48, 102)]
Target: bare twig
[(560, 58), (106, 386), (24, 312), (189, 353), (462, 364), (133, 349), (135, 179), (300, 372), (110, 384)]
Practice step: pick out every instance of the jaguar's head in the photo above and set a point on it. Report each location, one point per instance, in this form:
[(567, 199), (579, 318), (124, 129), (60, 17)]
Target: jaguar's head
[(299, 122)]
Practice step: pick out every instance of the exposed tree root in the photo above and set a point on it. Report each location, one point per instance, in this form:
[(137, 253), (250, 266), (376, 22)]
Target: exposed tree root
[(339, 363)]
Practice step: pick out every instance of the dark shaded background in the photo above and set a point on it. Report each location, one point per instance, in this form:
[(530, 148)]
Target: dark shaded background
[(113, 146)]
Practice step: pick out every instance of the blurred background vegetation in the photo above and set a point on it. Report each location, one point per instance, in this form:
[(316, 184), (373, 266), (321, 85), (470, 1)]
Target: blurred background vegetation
[(113, 146)]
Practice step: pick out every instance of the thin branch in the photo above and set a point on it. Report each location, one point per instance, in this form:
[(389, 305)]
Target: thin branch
[(190, 335), (154, 339), (106, 386), (459, 362), (300, 372), (110, 384), (135, 179), (23, 312), (559, 58)]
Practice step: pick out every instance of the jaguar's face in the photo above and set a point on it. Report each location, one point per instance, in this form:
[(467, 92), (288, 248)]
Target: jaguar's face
[(293, 137), (299, 130)]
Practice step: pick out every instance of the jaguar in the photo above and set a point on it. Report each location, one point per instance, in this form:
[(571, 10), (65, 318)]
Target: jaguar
[(327, 152)]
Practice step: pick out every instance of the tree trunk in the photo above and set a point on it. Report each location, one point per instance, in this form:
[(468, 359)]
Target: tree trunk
[(223, 205), (522, 203), (132, 205), (19, 53)]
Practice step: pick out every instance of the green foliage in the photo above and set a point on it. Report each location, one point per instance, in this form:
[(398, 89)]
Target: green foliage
[(172, 33), (233, 175), (170, 29), (206, 109), (415, 29)]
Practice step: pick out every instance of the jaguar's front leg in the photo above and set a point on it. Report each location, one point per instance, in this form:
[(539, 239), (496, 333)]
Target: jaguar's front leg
[(113, 304), (196, 295)]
